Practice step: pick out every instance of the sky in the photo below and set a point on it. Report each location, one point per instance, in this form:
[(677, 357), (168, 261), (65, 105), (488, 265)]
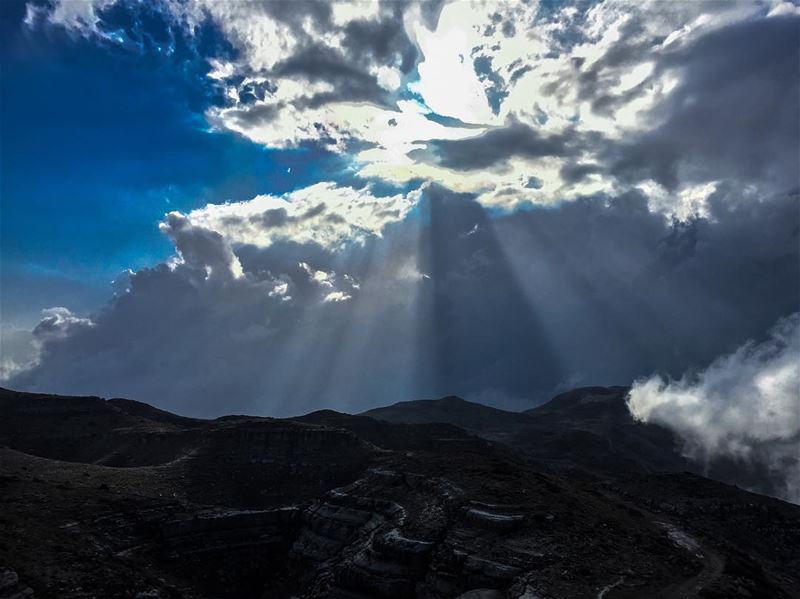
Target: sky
[(277, 207)]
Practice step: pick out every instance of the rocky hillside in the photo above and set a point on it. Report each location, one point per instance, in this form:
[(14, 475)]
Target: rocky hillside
[(588, 431), (474, 417), (117, 499), (588, 428)]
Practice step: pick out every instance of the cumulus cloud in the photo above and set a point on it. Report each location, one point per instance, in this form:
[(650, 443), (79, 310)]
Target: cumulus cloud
[(325, 214), (329, 283), (77, 15), (321, 296), (20, 348), (637, 95), (498, 145), (480, 97), (732, 114), (337, 296), (593, 292), (745, 405), (200, 247), (58, 323), (636, 104)]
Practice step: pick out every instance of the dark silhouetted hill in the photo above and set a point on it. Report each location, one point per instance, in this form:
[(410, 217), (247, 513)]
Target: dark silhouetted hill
[(118, 499)]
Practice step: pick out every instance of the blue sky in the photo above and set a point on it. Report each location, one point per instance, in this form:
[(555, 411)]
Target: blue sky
[(334, 204), (120, 133)]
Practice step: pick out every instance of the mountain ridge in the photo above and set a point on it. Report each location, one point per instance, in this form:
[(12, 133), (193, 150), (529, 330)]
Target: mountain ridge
[(119, 499)]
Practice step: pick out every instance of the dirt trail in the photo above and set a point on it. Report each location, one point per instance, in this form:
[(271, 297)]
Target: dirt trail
[(713, 563)]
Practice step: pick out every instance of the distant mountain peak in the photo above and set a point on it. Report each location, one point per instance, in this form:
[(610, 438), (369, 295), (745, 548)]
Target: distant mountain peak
[(450, 409), (574, 398)]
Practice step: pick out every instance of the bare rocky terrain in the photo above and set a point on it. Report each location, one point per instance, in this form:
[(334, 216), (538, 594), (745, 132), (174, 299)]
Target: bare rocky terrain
[(588, 431), (114, 498)]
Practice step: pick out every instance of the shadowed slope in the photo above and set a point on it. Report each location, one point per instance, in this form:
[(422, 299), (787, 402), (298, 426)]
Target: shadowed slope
[(473, 417), (589, 428), (348, 506)]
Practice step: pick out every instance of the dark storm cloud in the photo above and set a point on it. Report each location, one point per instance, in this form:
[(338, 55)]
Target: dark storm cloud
[(295, 13), (279, 217), (364, 43), (431, 9), (381, 40), (496, 90), (253, 116), (606, 72), (364, 40), (319, 63), (735, 112), (496, 146), (573, 172), (200, 248), (504, 310)]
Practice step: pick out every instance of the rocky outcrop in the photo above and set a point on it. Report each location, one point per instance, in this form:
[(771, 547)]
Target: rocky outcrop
[(228, 531), (349, 541), (347, 507), (356, 543), (231, 553), (11, 587), (272, 463)]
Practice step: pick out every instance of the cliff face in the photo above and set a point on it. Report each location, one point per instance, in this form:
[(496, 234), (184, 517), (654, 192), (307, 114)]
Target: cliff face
[(333, 505), (412, 529), (271, 463)]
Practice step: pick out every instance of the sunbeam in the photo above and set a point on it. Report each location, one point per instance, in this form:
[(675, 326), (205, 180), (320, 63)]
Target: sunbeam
[(426, 299)]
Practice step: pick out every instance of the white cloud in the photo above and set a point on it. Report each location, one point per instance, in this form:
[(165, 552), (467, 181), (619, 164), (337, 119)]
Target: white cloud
[(337, 296), (597, 72), (322, 278), (59, 322), (389, 78), (281, 289), (783, 7), (261, 38), (344, 12), (329, 282), (81, 15), (392, 132), (20, 348), (682, 205), (745, 405), (447, 79), (323, 213)]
